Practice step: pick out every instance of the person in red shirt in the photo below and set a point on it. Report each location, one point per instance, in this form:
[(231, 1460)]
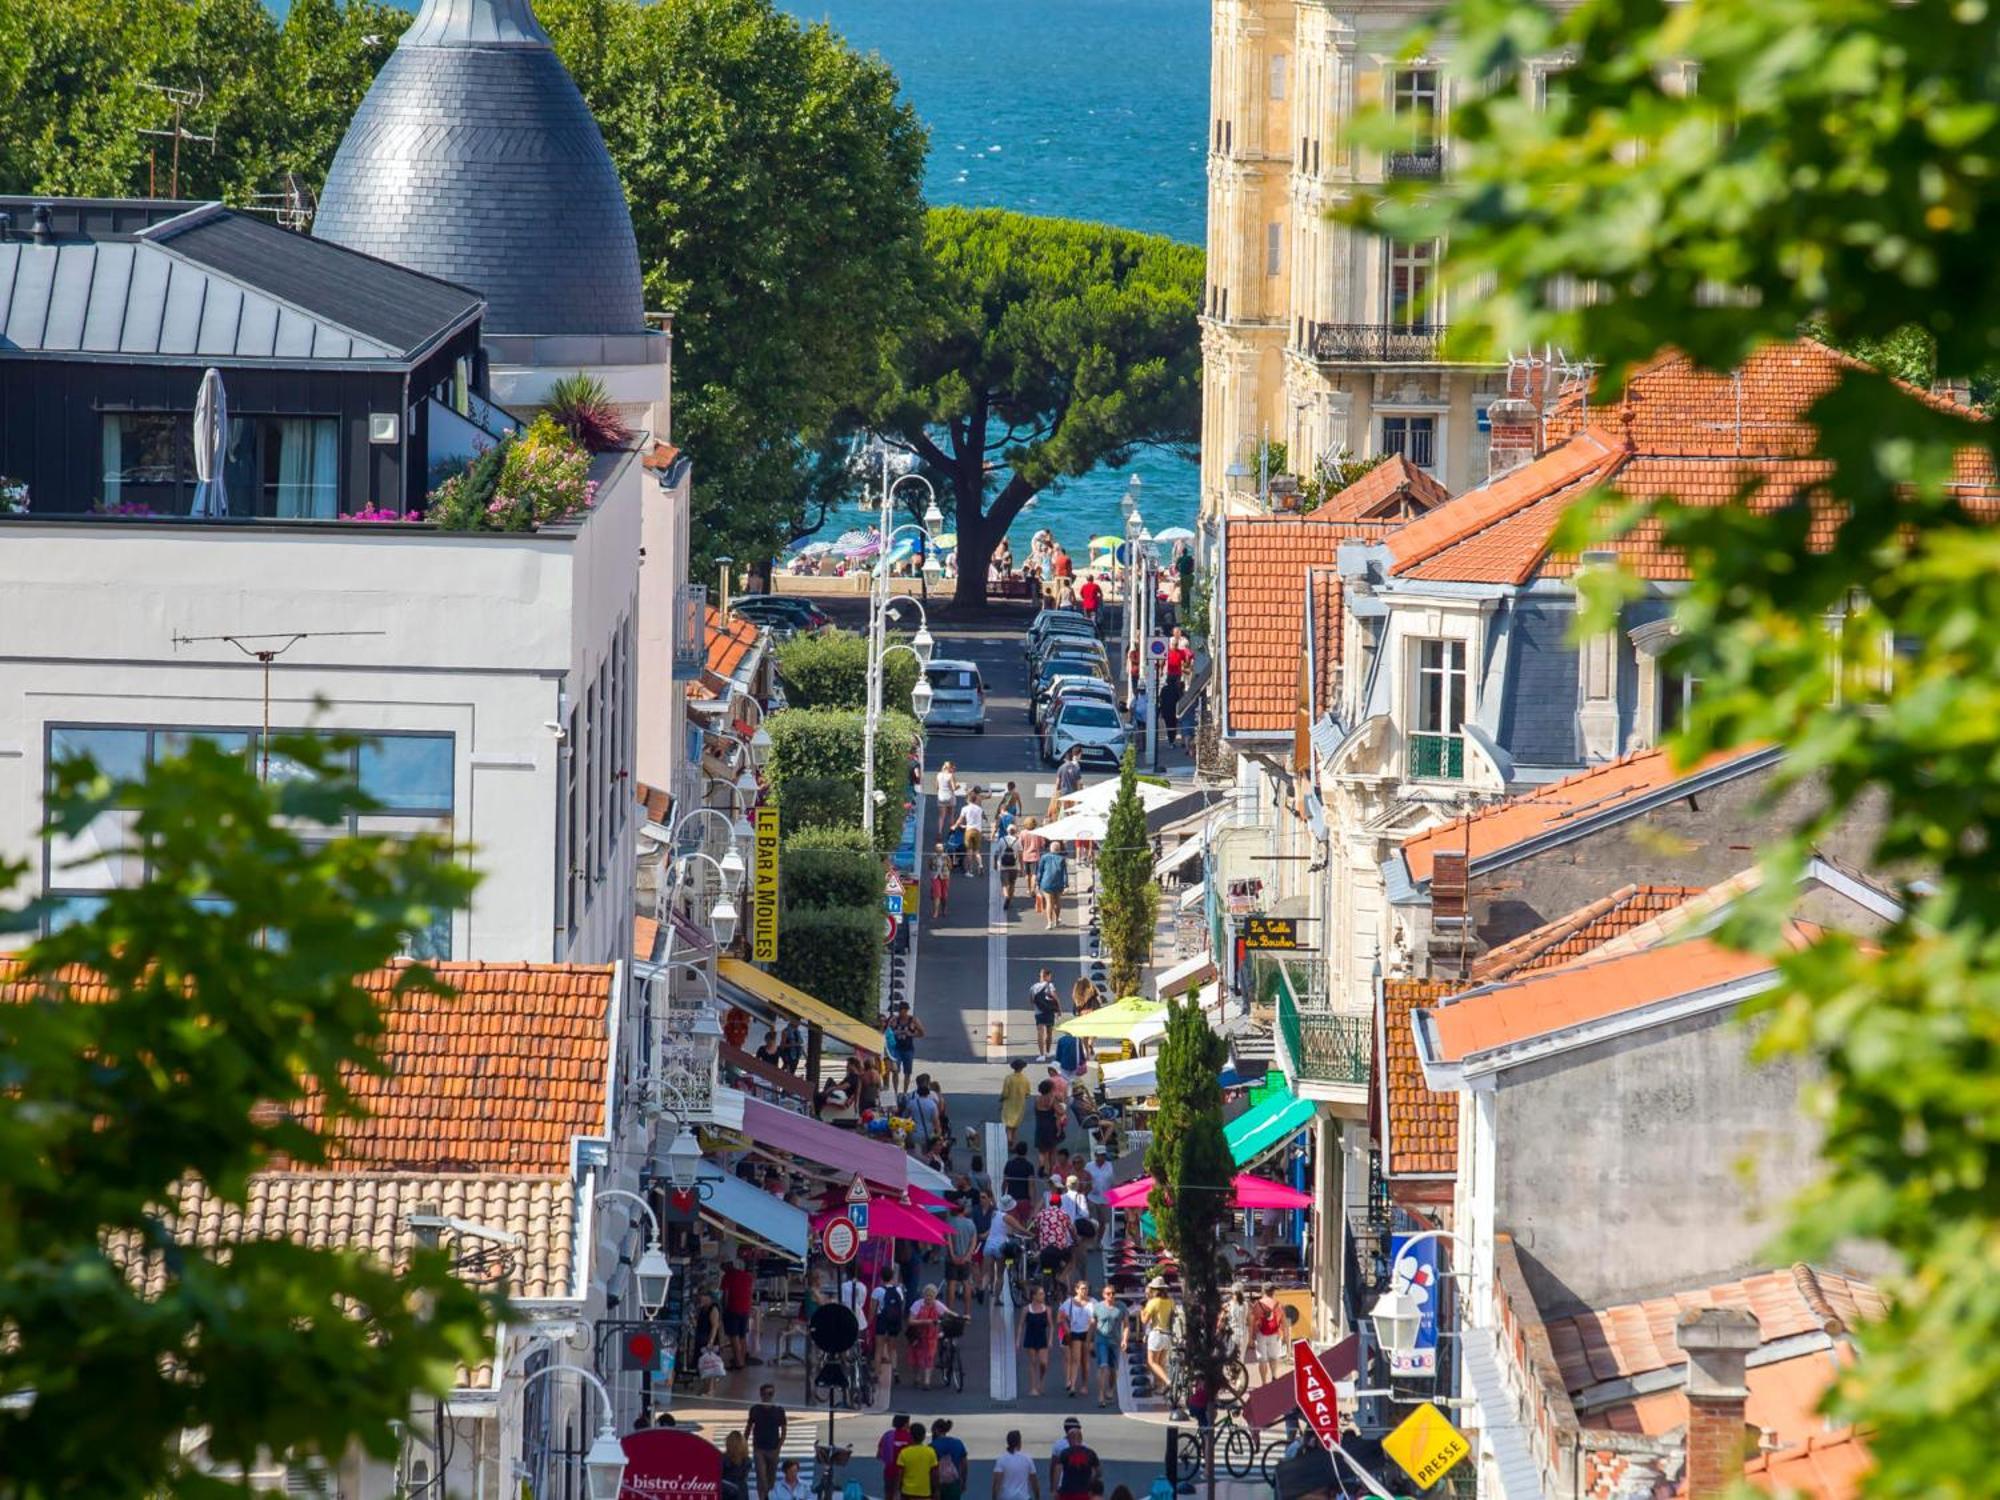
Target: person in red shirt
[(1090, 596), (739, 1287), (1179, 663), (1062, 567)]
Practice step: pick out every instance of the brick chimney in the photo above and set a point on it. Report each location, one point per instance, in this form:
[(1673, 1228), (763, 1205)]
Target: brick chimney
[(1717, 1342), (1515, 420)]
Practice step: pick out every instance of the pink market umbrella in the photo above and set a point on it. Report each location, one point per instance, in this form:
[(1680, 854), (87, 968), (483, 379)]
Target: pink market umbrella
[(920, 1197), (1250, 1192), (890, 1220)]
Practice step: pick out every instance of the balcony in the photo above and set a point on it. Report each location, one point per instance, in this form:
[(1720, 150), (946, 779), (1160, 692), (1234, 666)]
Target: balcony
[(1377, 343), (1437, 757), (1426, 163), (690, 630), (1326, 1053)]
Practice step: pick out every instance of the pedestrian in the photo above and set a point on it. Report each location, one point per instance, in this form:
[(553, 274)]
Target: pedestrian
[(1078, 1322), (1009, 810), (1015, 1476), (961, 1244), (765, 1426), (993, 1249), (1069, 1054), (1007, 860), (1141, 706), (916, 1464), (926, 1326), (1102, 1175), (1069, 780), (1052, 879), (953, 1461), (1048, 1123), (1033, 1338), (793, 1045), (940, 876), (708, 1340), (789, 1485), (1076, 1203), (1073, 1466), (924, 1110), (1018, 1174), (1014, 1091), (770, 1052), (739, 1293), (1046, 1005), (971, 826), (947, 797), (1090, 595), (890, 1306), (1113, 1331), (1157, 1317), (1055, 1240), (1085, 997), (1267, 1334), (890, 1445), (904, 1028), (736, 1467)]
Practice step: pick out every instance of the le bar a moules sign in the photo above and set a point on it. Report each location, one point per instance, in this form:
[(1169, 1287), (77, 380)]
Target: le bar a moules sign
[(764, 890), (671, 1463)]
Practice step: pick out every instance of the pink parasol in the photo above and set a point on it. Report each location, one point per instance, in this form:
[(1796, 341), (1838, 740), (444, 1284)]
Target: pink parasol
[(924, 1198), (890, 1220), (1250, 1192)]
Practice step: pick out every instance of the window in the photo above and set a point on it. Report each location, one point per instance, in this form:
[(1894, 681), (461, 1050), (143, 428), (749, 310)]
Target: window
[(148, 461), (1412, 269), (410, 776), (1413, 99), (283, 466), (1674, 695), (1274, 248), (1278, 76), (1437, 739), (1412, 436), (573, 811)]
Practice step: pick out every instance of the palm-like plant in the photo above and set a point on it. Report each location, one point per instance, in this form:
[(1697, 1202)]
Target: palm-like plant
[(582, 406)]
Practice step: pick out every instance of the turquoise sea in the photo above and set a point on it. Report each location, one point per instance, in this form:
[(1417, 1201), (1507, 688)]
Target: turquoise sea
[(1090, 109)]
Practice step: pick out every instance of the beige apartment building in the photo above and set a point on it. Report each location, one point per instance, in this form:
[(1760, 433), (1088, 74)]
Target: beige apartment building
[(1320, 336)]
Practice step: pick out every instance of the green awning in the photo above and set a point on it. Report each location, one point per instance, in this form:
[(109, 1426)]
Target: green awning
[(1267, 1125)]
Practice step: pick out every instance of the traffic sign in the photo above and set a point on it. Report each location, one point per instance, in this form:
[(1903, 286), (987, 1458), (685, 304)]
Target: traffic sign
[(1157, 646), (1312, 1389), (840, 1239), (857, 1215), (834, 1328), (857, 1190), (1426, 1446)]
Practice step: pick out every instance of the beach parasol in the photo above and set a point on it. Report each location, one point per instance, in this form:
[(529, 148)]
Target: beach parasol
[(1087, 827), (1129, 1020), (1098, 799), (1174, 534), (889, 1219), (1106, 543)]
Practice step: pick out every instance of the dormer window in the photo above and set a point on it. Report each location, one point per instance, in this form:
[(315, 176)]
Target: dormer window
[(1437, 726)]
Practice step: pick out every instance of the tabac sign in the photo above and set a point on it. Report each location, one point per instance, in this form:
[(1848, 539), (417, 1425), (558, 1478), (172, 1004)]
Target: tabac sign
[(764, 890)]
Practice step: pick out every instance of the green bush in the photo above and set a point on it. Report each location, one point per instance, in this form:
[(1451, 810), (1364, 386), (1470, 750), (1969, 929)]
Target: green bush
[(815, 769), (827, 878), (830, 670), (835, 954)]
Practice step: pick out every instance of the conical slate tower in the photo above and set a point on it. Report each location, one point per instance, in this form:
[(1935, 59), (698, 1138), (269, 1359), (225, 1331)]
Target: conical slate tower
[(475, 159)]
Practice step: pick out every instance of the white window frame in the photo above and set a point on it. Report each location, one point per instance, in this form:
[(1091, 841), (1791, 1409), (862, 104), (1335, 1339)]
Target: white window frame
[(1412, 257), (1384, 415), (1452, 672), (1409, 102)]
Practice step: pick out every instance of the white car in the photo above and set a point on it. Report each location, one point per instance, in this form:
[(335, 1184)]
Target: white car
[(958, 696), (1088, 722), (1062, 689)]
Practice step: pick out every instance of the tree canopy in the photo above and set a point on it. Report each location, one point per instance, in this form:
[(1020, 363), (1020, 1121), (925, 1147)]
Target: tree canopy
[(228, 994), (1042, 348), (1720, 175)]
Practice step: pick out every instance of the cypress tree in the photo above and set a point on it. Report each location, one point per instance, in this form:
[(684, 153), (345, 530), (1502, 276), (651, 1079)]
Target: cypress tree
[(1127, 899)]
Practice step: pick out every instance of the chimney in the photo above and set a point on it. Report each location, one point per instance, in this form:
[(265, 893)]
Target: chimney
[(43, 229), (1717, 1342), (1514, 421)]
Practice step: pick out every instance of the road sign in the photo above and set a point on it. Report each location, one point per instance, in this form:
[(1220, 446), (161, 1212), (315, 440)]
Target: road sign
[(764, 889), (1426, 1446), (857, 1190), (840, 1240), (1157, 647), (890, 922), (857, 1215), (1312, 1388), (834, 1328), (892, 902)]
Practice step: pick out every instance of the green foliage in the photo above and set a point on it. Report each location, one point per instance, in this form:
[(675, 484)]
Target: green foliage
[(1044, 347), (230, 995), (582, 406), (527, 479), (1835, 165), (821, 877), (830, 670), (776, 189), (815, 769), (834, 954), (1127, 900), (1191, 1168)]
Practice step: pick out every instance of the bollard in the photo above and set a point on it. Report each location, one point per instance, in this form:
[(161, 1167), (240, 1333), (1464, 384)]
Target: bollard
[(996, 1034)]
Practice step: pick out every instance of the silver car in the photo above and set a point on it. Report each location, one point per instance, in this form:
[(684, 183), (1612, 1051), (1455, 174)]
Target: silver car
[(958, 696), (1088, 722)]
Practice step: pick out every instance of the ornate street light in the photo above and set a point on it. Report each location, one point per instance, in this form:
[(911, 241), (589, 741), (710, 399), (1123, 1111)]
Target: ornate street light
[(604, 1464), (684, 1160), (722, 920), (924, 644), (1396, 1319), (652, 1275)]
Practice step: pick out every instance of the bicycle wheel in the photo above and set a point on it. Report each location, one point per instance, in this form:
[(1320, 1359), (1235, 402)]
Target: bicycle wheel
[(1235, 1379), (1268, 1460), (955, 1375), (1187, 1453), (1236, 1447)]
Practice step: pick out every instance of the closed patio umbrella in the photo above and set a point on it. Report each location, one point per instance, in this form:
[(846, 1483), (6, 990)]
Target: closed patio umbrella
[(211, 434)]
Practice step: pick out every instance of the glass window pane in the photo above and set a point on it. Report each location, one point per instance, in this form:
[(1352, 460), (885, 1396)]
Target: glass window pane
[(168, 742), (119, 753), (148, 462), (74, 909), (409, 772), (101, 858)]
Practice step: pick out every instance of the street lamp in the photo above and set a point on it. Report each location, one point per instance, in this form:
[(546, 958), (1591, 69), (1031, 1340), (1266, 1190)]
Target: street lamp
[(722, 921), (1396, 1319), (923, 644), (652, 1275), (604, 1464), (684, 1160), (1131, 501)]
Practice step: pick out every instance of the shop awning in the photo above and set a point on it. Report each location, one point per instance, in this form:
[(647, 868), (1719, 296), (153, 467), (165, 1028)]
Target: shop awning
[(924, 1175), (1129, 1020), (796, 1002), (770, 1128), (1184, 975), (1139, 1077), (733, 1205), (1267, 1125), (1180, 854)]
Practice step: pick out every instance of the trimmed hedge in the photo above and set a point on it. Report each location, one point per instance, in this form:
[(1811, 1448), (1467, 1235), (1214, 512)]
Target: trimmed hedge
[(823, 878), (830, 670), (815, 769), (835, 955)]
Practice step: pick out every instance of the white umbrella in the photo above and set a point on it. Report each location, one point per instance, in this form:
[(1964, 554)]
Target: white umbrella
[(211, 432), (1085, 826), (1174, 534), (1098, 799)]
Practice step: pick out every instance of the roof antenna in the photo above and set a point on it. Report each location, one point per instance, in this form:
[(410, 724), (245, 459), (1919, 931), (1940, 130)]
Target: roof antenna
[(267, 654), (183, 101)]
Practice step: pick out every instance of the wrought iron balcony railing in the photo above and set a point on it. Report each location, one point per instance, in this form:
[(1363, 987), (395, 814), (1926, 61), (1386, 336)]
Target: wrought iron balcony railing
[(1426, 162), (1377, 343), (1437, 757), (1324, 1046), (690, 631)]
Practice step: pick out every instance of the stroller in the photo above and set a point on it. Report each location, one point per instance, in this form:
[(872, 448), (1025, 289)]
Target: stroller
[(954, 848)]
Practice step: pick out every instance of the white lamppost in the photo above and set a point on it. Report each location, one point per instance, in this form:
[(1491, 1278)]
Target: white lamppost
[(652, 1275), (879, 599), (729, 873), (604, 1464)]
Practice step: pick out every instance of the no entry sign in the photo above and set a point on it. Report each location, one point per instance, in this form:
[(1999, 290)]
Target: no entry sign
[(840, 1240)]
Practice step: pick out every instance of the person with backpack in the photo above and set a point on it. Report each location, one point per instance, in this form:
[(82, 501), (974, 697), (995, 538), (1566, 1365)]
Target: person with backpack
[(1267, 1334), (1073, 1467), (953, 1460), (891, 1444), (1046, 1003), (891, 1307), (1007, 860)]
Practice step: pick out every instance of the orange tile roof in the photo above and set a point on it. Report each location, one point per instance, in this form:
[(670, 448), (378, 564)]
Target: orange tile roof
[(1265, 559), (730, 639), (1504, 824), (1584, 461), (1422, 1123), (1394, 489), (654, 803), (645, 937), (1827, 1467), (1581, 932), (1325, 589), (1522, 1009)]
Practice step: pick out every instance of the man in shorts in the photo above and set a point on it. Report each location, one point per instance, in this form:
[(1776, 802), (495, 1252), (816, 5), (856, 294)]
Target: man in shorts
[(1046, 1003), (961, 1245), (1267, 1335), (1113, 1332)]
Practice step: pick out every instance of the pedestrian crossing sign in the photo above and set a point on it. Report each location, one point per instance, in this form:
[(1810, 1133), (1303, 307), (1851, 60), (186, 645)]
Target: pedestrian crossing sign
[(1426, 1446)]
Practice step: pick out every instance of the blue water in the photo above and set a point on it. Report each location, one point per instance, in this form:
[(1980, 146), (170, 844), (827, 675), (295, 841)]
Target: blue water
[(1089, 109)]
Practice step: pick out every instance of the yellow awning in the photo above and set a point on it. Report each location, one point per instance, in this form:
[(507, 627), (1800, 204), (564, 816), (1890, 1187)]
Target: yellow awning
[(796, 1002)]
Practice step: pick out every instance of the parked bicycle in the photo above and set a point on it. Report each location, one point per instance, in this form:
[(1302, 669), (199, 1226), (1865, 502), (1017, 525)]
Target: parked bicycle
[(826, 1461)]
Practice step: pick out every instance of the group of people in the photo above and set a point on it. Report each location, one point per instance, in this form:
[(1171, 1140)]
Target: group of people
[(922, 1462), (1176, 672), (965, 831)]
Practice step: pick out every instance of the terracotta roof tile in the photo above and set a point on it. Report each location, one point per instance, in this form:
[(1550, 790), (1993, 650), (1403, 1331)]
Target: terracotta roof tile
[(1581, 932), (1422, 1124), (1569, 468), (730, 639), (1830, 1466), (1325, 589), (645, 938), (655, 805), (1394, 489), (1265, 559), (1504, 824)]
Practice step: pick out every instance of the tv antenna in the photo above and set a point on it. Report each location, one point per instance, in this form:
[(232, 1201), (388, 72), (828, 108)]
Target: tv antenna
[(184, 101), (292, 206), (258, 646)]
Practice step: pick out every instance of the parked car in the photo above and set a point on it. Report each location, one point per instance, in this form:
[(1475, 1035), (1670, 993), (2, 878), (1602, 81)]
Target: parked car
[(958, 696), (1050, 622), (1087, 722), (1064, 689), (781, 611), (1070, 645), (1058, 666)]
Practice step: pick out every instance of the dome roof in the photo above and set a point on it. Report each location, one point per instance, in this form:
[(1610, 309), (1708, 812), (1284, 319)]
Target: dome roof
[(474, 159)]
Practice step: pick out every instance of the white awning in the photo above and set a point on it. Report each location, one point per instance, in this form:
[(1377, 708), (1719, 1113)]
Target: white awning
[(1180, 854), (924, 1175), (1184, 975), (1193, 896), (1131, 1077)]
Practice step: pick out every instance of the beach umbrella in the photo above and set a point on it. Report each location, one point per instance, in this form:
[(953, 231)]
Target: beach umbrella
[(1127, 1020), (1174, 534), (211, 434), (946, 541), (1246, 1191), (815, 549), (1106, 543), (1098, 798), (1088, 827)]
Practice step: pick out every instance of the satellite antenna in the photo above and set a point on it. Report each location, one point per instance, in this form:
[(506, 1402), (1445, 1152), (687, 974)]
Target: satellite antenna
[(183, 100), (259, 647)]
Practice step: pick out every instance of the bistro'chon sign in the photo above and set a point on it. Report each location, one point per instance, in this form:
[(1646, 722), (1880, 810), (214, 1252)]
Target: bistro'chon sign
[(670, 1463)]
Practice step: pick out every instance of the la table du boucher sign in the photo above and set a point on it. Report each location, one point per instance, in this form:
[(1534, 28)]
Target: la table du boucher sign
[(1265, 933)]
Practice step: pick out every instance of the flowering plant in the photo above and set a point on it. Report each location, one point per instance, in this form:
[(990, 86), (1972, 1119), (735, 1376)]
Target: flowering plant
[(123, 508), (382, 513), (532, 477), (13, 496)]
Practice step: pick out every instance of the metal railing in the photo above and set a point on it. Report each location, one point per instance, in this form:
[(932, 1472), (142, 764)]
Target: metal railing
[(1425, 162), (690, 631), (1323, 1046), (1377, 343), (1437, 757)]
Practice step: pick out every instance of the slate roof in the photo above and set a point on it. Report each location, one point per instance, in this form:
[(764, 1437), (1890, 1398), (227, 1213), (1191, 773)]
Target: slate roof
[(1422, 1123), (474, 157), (1394, 489), (1581, 932), (211, 284), (1265, 559)]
